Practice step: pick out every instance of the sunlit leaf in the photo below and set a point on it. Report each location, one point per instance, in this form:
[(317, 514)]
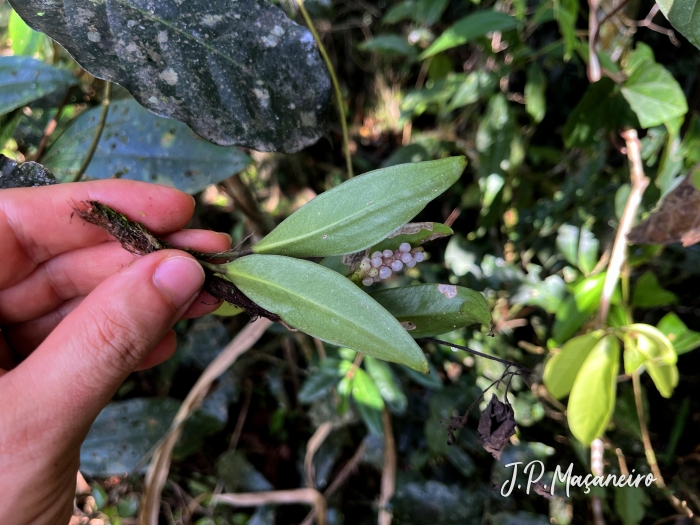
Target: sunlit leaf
[(681, 337), (322, 303), (561, 370), (469, 28), (592, 398), (361, 211), (535, 103), (433, 309), (368, 401), (660, 357), (654, 95)]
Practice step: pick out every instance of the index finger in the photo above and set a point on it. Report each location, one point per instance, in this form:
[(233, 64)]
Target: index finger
[(36, 224)]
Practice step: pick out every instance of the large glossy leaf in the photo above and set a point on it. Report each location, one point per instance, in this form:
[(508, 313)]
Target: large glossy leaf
[(469, 28), (235, 72), (322, 303), (592, 398), (561, 370), (123, 433), (137, 145), (24, 79), (433, 309), (654, 95), (681, 337), (361, 211), (684, 15)]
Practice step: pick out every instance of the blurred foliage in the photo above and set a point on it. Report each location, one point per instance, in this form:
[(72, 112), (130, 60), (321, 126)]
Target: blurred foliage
[(513, 86)]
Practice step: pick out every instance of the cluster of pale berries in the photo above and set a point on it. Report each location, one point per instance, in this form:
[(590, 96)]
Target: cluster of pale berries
[(381, 265)]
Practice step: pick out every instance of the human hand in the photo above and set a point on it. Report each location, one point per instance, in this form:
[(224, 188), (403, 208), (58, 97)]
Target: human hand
[(78, 314)]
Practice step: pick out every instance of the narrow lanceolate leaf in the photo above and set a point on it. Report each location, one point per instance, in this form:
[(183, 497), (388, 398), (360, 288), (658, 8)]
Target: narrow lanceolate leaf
[(432, 309), (137, 145), (238, 73), (24, 80), (361, 211), (469, 28), (414, 233), (592, 398), (325, 305), (561, 370)]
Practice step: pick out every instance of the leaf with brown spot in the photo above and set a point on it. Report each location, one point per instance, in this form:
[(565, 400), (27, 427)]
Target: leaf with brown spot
[(677, 219)]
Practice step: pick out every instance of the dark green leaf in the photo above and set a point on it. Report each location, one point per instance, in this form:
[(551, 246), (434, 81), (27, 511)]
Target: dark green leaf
[(433, 309), (654, 95), (684, 16), (592, 398), (123, 433), (325, 305), (566, 14), (361, 211), (24, 79), (137, 145), (561, 370), (389, 45), (240, 73), (25, 175), (648, 293), (683, 339), (469, 28), (321, 380), (388, 384), (239, 475), (476, 85), (629, 504)]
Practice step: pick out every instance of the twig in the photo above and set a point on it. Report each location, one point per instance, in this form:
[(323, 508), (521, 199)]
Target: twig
[(241, 417), (647, 22), (244, 200), (157, 473), (388, 483), (639, 184), (254, 499), (98, 133), (679, 505), (312, 446), (593, 68), (480, 354), (336, 86), (51, 126), (342, 477)]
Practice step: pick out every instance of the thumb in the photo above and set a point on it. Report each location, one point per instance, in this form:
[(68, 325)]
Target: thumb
[(74, 373)]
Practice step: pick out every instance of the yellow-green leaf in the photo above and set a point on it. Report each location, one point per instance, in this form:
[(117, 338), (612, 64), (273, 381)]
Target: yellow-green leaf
[(592, 398), (561, 370)]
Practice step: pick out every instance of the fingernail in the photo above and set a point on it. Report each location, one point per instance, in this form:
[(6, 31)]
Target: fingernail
[(230, 239), (179, 279)]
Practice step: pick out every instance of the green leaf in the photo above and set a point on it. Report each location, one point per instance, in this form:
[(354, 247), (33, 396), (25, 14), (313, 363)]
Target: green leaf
[(26, 41), (321, 380), (361, 211), (368, 401), (123, 433), (683, 339), (629, 504), (137, 145), (415, 234), (535, 87), (566, 13), (567, 242), (649, 294), (561, 370), (24, 80), (576, 309), (237, 73), (641, 56), (433, 309), (323, 304), (388, 384), (477, 85), (389, 45), (654, 95), (684, 16), (227, 310), (660, 358), (592, 397), (470, 28)]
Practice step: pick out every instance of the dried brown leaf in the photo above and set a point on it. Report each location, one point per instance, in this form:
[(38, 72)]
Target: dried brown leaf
[(496, 426)]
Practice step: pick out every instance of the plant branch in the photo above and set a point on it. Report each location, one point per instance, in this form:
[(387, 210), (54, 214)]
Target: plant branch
[(523, 369), (98, 133), (639, 184), (51, 126), (289, 497), (388, 483), (336, 86)]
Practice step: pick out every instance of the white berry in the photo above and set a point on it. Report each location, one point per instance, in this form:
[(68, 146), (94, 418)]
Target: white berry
[(397, 266), (406, 258), (419, 256), (384, 272), (388, 253), (373, 272), (376, 262), (376, 254), (365, 264), (411, 264), (368, 281), (405, 247)]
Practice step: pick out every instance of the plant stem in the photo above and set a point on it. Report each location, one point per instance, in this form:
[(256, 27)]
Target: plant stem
[(480, 354), (51, 126), (639, 184), (98, 133), (336, 86)]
